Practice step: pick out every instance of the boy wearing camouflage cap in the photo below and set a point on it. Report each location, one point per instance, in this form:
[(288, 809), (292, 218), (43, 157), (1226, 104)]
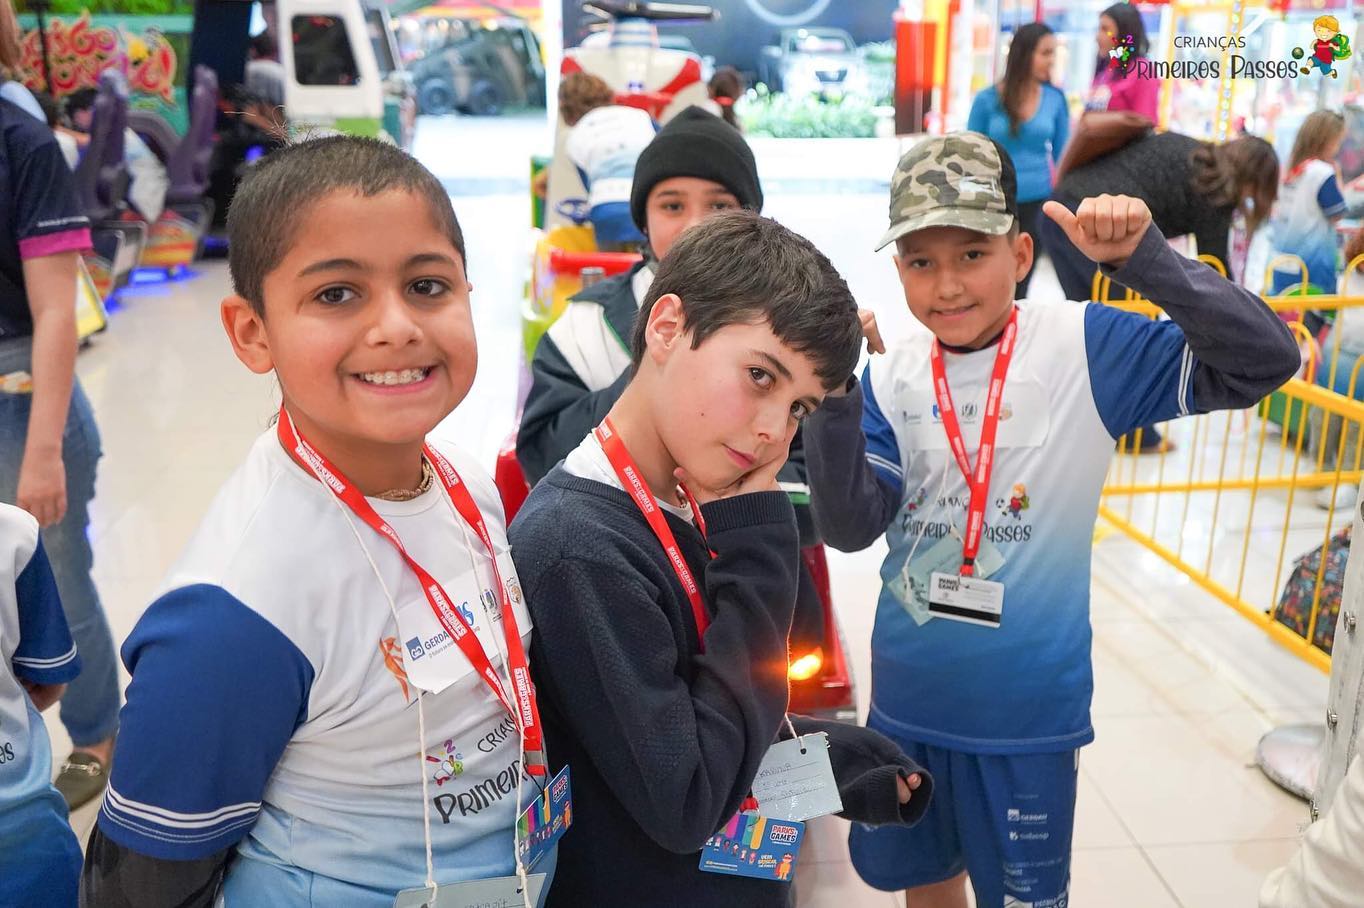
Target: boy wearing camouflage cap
[(979, 450)]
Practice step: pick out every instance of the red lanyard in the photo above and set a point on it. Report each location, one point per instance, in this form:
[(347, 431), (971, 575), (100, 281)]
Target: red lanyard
[(525, 710), (1297, 171), (635, 485), (979, 483)]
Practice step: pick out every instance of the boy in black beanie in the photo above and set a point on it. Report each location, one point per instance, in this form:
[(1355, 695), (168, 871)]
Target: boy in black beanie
[(697, 165)]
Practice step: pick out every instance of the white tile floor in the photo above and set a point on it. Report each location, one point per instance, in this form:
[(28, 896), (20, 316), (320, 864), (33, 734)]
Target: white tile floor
[(1171, 810)]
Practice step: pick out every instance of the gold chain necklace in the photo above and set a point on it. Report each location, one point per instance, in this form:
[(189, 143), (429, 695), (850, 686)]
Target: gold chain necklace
[(428, 476)]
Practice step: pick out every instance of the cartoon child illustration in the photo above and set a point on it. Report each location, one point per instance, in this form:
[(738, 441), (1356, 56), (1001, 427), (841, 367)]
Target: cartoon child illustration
[(919, 498), (1018, 502), (1122, 51), (1330, 46), (448, 766), (784, 868)]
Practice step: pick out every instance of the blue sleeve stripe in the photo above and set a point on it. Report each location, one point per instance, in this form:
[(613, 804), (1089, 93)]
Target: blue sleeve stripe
[(176, 819), (55, 662), (1330, 198), (46, 654), (885, 466), (224, 831), (1186, 382)]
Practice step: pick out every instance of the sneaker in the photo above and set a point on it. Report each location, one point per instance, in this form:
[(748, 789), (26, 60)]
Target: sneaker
[(82, 779), (1342, 496)]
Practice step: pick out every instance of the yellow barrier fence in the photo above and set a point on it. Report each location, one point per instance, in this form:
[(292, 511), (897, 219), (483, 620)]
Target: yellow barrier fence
[(1243, 496)]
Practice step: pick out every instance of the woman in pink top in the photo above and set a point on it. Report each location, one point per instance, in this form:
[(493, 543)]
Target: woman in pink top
[(1119, 83)]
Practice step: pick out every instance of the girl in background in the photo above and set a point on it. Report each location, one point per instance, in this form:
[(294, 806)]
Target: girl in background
[(1027, 115), (726, 87), (1118, 81)]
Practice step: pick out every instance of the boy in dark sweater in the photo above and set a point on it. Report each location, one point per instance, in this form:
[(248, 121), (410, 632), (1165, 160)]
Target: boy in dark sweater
[(662, 623)]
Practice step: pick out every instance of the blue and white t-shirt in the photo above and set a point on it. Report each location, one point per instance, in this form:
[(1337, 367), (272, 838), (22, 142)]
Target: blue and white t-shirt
[(604, 145), (270, 706), (1081, 376), (1302, 226), (36, 646)]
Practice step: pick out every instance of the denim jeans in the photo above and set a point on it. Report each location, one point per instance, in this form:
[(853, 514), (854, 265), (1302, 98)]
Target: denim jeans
[(90, 708)]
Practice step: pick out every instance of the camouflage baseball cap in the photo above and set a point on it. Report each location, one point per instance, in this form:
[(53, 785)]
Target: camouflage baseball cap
[(962, 179)]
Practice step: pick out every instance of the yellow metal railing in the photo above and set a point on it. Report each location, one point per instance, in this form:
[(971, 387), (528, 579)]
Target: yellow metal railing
[(1247, 472)]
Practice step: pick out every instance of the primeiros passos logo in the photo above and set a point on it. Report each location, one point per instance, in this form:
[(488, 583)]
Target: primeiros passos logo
[(1328, 47)]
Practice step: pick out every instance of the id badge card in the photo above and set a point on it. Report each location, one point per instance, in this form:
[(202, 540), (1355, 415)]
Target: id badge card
[(755, 846), (795, 780), (911, 586), (968, 599), (545, 821), (431, 658), (504, 890)]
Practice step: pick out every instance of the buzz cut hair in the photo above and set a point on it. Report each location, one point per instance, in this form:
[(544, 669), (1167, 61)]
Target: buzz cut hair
[(278, 192)]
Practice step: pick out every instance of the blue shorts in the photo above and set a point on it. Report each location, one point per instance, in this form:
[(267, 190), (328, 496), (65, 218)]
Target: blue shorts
[(40, 859), (1006, 820)]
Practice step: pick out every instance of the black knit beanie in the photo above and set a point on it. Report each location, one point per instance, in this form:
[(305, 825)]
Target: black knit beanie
[(696, 143)]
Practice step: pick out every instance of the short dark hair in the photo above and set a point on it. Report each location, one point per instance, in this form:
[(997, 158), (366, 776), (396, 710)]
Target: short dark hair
[(80, 99), (277, 193), (737, 267), (264, 46)]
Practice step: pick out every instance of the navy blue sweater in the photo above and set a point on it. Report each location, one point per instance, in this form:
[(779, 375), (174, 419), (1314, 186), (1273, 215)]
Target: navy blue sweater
[(665, 740)]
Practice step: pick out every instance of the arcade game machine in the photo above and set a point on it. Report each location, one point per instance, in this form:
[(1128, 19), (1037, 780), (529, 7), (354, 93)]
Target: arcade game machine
[(644, 75), (341, 74)]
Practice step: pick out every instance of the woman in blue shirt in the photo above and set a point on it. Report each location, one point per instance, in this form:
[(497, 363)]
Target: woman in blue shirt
[(1027, 115)]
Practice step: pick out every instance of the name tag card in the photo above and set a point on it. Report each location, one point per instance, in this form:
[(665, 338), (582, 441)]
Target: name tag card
[(545, 821), (754, 846), (502, 892), (968, 599), (913, 584), (795, 780)]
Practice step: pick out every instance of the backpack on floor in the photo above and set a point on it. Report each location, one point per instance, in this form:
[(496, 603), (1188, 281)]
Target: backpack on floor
[(1295, 605)]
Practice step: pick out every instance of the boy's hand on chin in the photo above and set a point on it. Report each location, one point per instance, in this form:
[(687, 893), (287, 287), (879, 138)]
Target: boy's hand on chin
[(1106, 228), (762, 478)]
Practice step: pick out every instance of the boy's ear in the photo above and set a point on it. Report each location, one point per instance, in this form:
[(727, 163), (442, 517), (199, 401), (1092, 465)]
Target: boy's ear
[(246, 332), (1023, 255), (665, 329), (899, 264)]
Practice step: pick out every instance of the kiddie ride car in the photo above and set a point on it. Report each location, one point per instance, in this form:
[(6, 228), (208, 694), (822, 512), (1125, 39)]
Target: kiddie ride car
[(339, 72), (662, 82)]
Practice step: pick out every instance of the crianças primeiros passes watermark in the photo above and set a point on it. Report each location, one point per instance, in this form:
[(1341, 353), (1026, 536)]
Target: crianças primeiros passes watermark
[(1321, 56)]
